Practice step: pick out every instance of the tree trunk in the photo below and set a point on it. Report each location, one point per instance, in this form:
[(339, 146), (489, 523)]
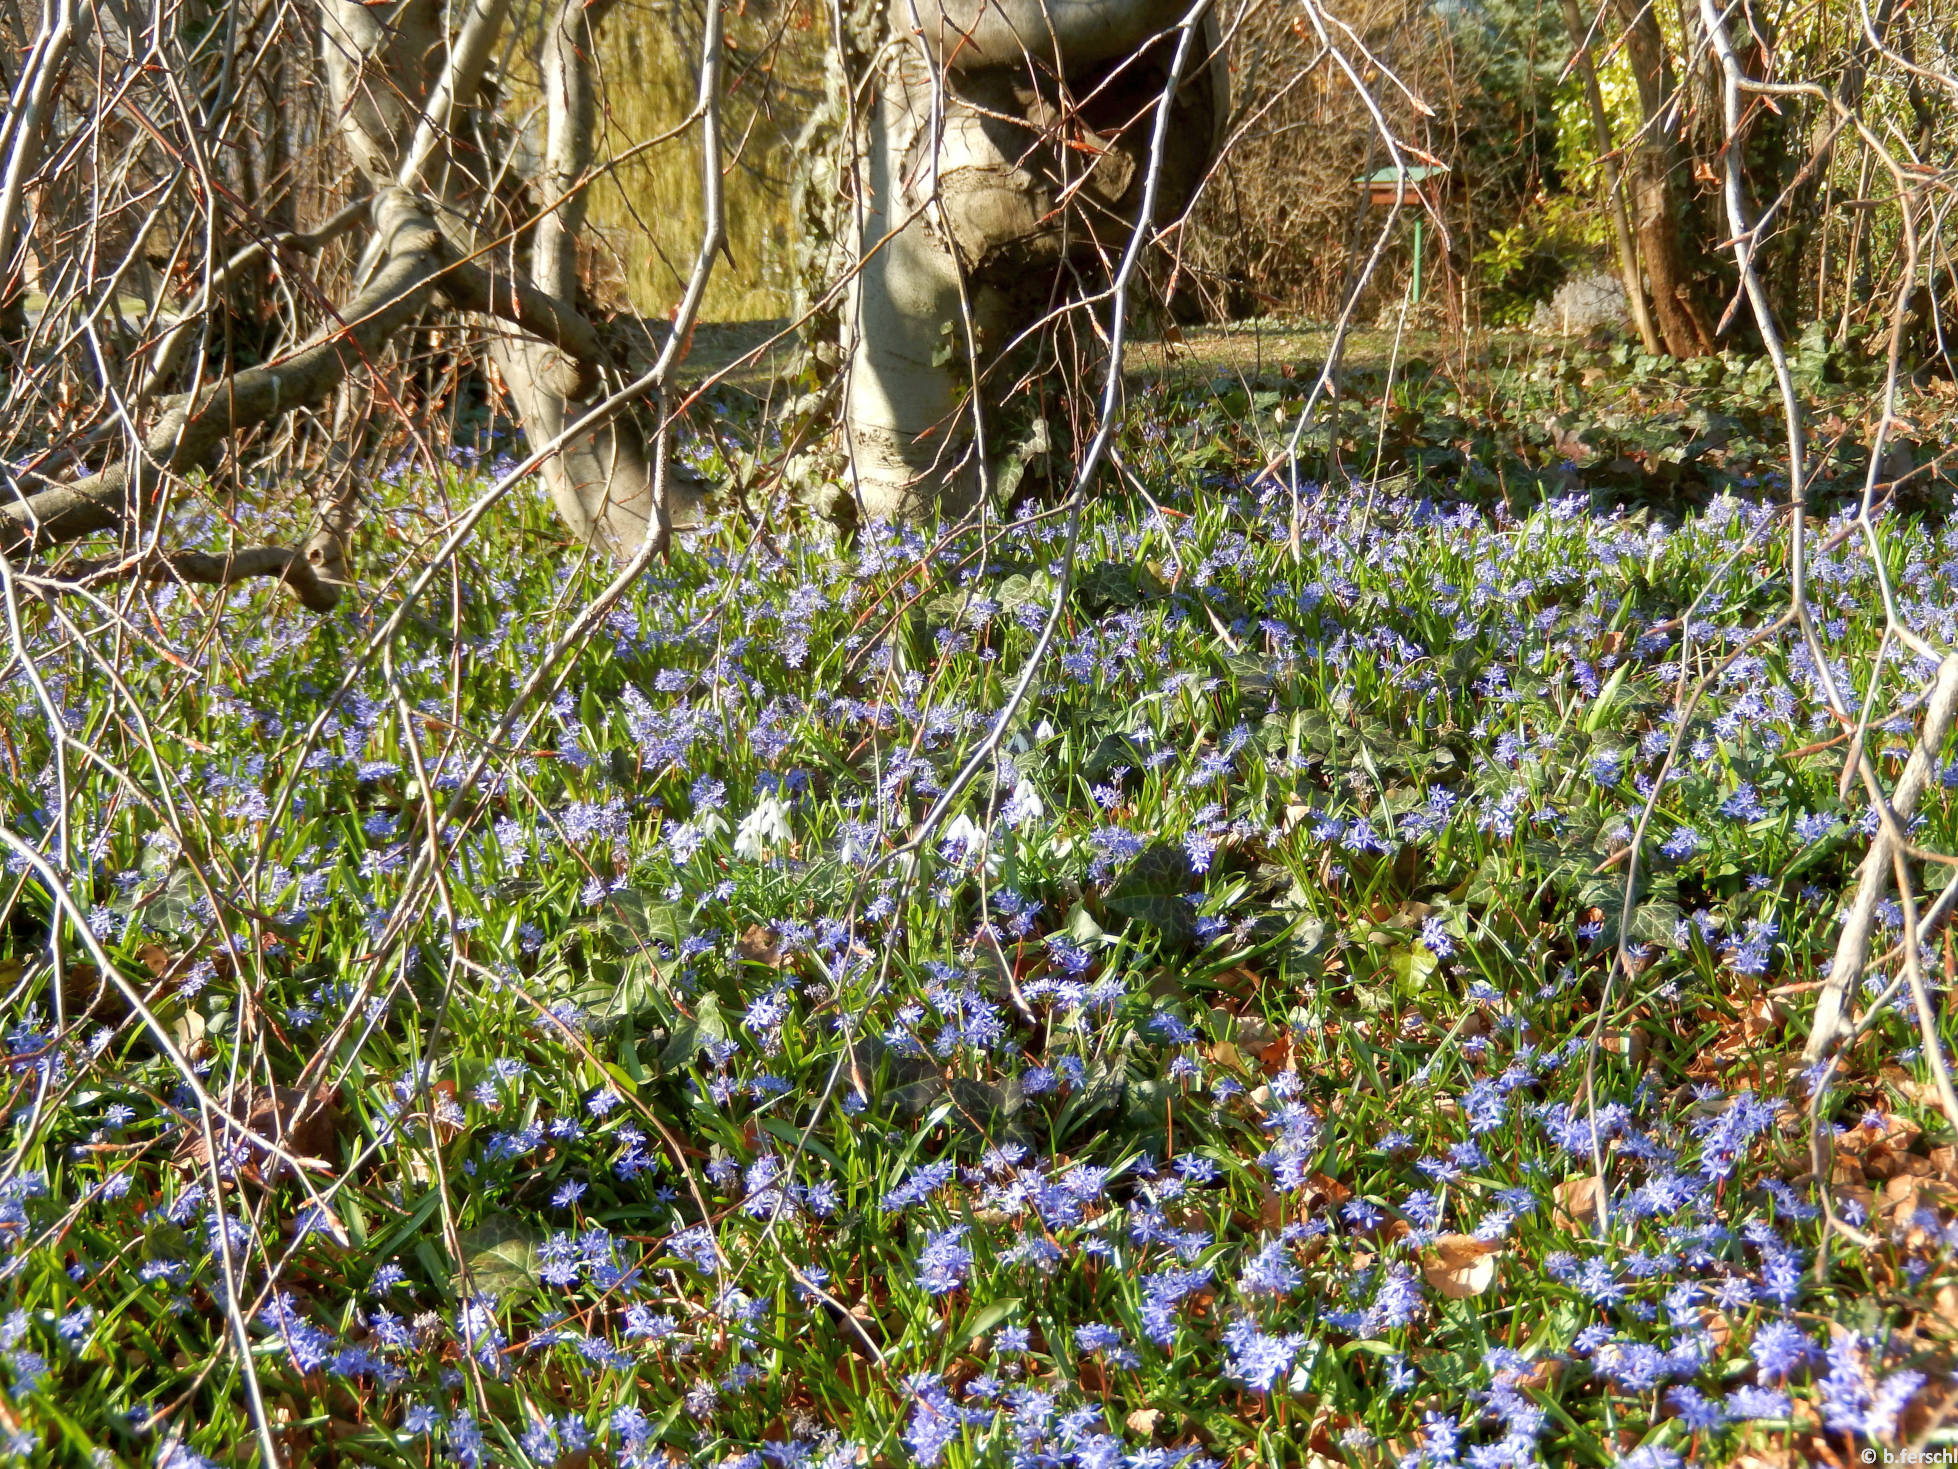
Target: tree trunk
[(602, 483), (1003, 146), (454, 227), (1659, 209), (1614, 183)]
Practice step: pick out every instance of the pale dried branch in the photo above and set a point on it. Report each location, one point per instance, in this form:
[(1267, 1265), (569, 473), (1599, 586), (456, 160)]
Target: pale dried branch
[(1874, 877)]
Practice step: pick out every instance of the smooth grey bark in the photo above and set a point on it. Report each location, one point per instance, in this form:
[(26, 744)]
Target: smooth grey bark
[(901, 394), (1001, 145), (604, 483), (974, 35)]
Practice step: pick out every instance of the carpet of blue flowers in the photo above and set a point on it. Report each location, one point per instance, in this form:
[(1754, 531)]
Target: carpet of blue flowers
[(1224, 1084)]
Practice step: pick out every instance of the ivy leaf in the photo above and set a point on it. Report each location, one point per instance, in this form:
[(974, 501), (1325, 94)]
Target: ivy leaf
[(1656, 922), (706, 1025), (1108, 585), (1113, 750), (640, 923), (1019, 589), (1412, 963), (1036, 445), (1152, 892), (501, 1253)]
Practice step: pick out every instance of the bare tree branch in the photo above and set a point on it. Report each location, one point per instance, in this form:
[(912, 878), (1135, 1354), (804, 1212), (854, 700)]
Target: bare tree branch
[(416, 266), (300, 570), (169, 352)]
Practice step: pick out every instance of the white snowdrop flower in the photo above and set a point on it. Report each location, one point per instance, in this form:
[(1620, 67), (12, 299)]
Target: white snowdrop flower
[(763, 828)]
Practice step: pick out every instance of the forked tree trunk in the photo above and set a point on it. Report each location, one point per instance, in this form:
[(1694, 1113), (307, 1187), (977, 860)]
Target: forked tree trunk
[(1003, 159), (602, 483), (1004, 148), (1660, 212), (409, 92)]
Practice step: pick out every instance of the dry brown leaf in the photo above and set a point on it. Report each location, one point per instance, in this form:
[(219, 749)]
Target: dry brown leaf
[(1904, 1195), (1945, 1313), (1900, 1081), (1909, 1191), (1323, 1191), (85, 992), (1577, 1202), (1409, 915), (1460, 1266), (1889, 1130), (1271, 1210), (302, 1124), (1846, 1194), (1277, 1056), (1763, 1017), (760, 945), (1717, 1325), (1632, 1045), (1885, 1164), (1253, 1033), (1541, 1375)]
